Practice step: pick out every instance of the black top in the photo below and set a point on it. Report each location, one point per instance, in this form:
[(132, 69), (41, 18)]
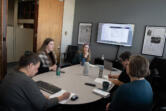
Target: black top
[(133, 96), (18, 92), (123, 77)]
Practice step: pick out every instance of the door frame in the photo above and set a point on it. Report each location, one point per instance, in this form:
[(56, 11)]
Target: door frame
[(3, 33), (35, 26)]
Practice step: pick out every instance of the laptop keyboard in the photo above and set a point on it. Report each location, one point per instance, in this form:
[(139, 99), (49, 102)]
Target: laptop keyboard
[(48, 87)]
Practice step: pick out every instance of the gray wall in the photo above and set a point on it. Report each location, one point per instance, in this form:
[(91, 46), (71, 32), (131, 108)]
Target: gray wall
[(138, 12)]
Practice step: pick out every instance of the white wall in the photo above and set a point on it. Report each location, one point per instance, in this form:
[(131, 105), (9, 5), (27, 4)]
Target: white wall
[(67, 29), (16, 46), (24, 41), (10, 44)]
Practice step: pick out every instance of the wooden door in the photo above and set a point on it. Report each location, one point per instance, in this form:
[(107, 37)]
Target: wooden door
[(50, 18), (3, 30)]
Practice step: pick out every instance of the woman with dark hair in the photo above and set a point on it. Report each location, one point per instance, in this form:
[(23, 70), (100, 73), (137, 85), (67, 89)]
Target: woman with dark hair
[(47, 56), (136, 95), (18, 92)]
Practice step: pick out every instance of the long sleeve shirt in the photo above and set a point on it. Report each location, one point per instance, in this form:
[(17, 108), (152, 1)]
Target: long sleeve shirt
[(18, 92), (133, 96)]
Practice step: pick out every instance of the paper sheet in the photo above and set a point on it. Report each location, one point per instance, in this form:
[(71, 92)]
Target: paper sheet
[(105, 77), (101, 92), (59, 94), (91, 65), (100, 80)]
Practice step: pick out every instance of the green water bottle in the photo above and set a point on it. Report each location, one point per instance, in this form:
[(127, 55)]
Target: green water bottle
[(58, 72)]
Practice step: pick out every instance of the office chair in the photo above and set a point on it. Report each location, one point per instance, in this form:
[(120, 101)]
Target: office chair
[(158, 82), (2, 108), (70, 54)]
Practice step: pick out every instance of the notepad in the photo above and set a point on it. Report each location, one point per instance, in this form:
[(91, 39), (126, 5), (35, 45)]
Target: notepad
[(59, 94), (100, 80), (101, 92), (91, 65), (105, 77)]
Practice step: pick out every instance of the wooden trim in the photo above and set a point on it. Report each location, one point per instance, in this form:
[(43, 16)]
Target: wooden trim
[(27, 21), (35, 26), (3, 58)]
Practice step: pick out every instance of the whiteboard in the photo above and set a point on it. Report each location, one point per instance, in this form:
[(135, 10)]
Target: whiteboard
[(84, 33), (154, 41)]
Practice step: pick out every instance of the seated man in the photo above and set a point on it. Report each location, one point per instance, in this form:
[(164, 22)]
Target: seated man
[(136, 95), (122, 78), (18, 92)]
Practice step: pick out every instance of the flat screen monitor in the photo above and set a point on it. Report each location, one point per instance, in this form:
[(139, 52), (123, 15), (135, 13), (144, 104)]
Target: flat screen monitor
[(117, 34)]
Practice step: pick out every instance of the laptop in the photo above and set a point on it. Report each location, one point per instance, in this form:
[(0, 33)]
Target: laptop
[(108, 65)]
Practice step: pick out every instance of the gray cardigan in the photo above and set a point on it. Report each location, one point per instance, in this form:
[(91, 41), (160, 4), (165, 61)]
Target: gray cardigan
[(18, 92)]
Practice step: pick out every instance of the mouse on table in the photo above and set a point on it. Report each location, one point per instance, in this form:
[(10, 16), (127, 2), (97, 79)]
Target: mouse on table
[(74, 97)]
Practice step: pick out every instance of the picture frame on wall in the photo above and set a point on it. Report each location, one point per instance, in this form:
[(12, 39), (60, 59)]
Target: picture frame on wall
[(154, 40), (84, 34)]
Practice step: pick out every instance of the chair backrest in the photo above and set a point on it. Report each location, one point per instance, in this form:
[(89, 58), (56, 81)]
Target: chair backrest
[(159, 64), (71, 53), (2, 108)]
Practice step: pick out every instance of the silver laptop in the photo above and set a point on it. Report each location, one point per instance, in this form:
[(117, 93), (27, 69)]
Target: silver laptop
[(108, 65)]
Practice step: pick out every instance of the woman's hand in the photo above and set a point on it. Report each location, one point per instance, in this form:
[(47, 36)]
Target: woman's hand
[(115, 76), (107, 106), (86, 54)]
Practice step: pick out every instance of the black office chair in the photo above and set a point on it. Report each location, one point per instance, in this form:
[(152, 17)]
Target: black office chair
[(158, 82), (70, 55), (2, 108)]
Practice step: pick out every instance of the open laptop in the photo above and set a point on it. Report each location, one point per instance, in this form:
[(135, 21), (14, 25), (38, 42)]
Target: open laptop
[(108, 65)]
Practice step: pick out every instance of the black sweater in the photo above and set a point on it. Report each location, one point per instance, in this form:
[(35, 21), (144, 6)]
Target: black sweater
[(18, 92)]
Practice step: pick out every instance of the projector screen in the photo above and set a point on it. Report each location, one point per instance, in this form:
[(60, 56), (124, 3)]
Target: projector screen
[(117, 34)]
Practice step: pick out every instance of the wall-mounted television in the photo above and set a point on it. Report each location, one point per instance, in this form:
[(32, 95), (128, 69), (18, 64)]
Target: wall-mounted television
[(117, 34)]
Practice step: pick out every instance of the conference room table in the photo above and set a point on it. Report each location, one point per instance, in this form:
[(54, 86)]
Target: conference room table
[(73, 80)]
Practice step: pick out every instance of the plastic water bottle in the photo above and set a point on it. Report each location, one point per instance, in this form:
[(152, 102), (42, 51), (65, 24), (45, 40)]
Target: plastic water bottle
[(101, 68), (86, 69), (102, 58)]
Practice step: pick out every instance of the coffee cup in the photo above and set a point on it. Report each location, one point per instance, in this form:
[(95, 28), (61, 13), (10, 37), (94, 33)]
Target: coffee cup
[(105, 85)]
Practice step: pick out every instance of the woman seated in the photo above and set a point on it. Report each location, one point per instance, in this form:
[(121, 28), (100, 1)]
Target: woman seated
[(119, 79), (47, 56), (136, 95), (18, 92), (83, 56)]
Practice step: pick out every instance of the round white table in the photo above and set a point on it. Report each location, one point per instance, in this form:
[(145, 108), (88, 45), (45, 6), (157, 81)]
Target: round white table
[(74, 81)]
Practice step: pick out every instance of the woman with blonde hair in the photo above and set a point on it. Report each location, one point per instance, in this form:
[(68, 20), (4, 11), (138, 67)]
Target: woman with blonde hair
[(82, 56), (47, 56), (85, 54)]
